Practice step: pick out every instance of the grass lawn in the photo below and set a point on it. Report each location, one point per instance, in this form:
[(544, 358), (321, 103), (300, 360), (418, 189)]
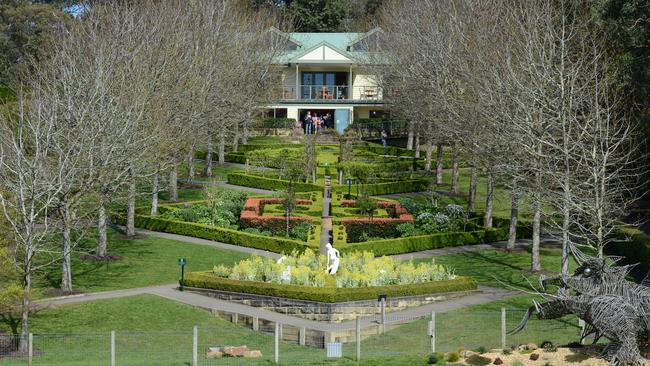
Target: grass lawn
[(145, 262)]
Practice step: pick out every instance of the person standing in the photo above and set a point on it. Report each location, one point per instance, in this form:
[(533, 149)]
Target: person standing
[(308, 123), (384, 135), (316, 121)]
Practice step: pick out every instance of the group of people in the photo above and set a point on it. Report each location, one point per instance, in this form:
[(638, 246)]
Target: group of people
[(315, 123)]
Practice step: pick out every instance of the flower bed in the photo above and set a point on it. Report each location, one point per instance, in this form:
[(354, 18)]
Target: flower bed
[(361, 276), (252, 215), (385, 227)]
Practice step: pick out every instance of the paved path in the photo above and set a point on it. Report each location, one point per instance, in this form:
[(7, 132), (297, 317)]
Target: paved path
[(326, 219), (229, 186), (170, 292)]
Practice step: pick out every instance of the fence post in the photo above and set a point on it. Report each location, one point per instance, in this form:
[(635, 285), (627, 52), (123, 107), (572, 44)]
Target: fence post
[(256, 323), (195, 346), (277, 343), (30, 348), (582, 325), (503, 328), (301, 336), (433, 332), (112, 348), (383, 315), (358, 337)]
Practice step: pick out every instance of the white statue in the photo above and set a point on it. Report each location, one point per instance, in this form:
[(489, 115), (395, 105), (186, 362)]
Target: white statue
[(334, 257), (285, 276)]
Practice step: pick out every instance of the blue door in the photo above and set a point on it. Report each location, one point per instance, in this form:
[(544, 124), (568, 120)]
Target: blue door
[(341, 119)]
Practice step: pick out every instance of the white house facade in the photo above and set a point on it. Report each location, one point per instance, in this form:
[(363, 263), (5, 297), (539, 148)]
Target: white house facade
[(323, 73)]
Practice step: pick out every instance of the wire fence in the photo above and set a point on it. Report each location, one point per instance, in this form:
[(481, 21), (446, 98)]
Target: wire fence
[(268, 342)]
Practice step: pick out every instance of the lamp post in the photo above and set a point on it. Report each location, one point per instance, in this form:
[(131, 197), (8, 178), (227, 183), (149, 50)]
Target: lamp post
[(182, 262), (349, 182)]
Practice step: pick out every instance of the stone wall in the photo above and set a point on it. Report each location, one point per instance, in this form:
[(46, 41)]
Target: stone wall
[(327, 312)]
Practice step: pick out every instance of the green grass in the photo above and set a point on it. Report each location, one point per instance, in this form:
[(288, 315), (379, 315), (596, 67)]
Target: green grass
[(499, 268), (145, 262)]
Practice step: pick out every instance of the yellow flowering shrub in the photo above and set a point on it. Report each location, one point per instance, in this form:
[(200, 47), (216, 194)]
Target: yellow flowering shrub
[(358, 269)]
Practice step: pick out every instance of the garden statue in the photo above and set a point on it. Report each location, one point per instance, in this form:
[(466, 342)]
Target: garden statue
[(610, 305), (285, 276), (334, 257)]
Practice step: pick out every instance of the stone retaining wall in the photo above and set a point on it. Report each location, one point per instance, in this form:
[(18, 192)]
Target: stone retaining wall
[(327, 312)]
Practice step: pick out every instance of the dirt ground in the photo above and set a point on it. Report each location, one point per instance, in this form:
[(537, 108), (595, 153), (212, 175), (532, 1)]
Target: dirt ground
[(563, 356)]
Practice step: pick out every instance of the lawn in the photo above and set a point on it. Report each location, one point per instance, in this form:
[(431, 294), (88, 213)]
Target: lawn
[(144, 262)]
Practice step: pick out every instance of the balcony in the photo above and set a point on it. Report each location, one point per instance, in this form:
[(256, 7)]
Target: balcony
[(330, 93)]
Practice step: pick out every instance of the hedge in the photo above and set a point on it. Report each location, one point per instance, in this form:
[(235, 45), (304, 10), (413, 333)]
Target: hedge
[(254, 181), (374, 189), (229, 236), (232, 157), (426, 242), (207, 280)]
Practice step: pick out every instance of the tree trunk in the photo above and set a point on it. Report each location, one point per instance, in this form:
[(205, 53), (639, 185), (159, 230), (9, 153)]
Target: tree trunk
[(417, 145), (566, 220), (409, 141), (101, 226), (24, 316), (173, 184), (439, 164), (455, 172), (235, 143), (536, 265), (207, 172), (130, 210), (514, 212), (222, 149), (429, 155), (471, 204), (190, 167), (244, 135), (154, 195), (340, 173), (66, 268), (489, 201)]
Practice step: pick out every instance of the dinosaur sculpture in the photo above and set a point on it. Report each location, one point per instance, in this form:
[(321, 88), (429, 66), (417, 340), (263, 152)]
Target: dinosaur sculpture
[(610, 305)]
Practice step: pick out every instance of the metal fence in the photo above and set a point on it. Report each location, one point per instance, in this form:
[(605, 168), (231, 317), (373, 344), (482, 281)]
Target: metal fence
[(362, 338)]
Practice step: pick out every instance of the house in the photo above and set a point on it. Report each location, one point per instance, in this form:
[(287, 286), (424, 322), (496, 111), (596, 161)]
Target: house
[(324, 73)]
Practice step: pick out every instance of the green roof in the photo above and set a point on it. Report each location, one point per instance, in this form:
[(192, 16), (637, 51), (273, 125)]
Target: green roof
[(308, 41)]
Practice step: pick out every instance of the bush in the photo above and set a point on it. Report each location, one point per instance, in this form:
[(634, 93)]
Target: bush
[(276, 122), (300, 232), (414, 185), (433, 359), (426, 242), (477, 360), (229, 236), (254, 181), (207, 280), (452, 357)]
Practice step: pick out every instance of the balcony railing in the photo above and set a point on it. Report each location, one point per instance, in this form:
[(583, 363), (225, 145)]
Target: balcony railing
[(330, 92)]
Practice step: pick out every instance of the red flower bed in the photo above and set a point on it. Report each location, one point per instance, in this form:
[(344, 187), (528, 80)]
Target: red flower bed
[(384, 227), (251, 215)]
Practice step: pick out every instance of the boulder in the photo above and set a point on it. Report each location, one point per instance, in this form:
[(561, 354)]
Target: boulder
[(531, 346), (534, 356), (497, 361), (253, 354), (232, 351), (466, 353), (214, 352)]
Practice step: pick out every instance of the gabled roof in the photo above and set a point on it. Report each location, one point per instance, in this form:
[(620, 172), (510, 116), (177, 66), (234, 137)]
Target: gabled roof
[(322, 47)]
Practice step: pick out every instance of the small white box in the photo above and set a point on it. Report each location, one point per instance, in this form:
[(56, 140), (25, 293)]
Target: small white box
[(334, 350)]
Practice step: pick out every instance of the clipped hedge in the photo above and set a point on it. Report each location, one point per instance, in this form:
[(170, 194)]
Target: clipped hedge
[(374, 189), (427, 242), (271, 244), (207, 280), (254, 181), (237, 157)]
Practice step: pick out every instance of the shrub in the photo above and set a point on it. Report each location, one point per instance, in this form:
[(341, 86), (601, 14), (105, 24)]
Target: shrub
[(229, 236), (254, 181), (452, 357), (478, 360), (326, 294), (300, 232), (276, 122), (432, 359)]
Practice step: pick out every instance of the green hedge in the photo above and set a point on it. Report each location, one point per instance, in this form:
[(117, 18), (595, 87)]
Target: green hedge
[(388, 150), (427, 242), (207, 280), (237, 157), (271, 244), (276, 123), (414, 185), (254, 181)]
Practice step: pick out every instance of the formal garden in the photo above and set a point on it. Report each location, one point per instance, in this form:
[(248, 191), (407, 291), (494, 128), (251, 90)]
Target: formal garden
[(253, 183)]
